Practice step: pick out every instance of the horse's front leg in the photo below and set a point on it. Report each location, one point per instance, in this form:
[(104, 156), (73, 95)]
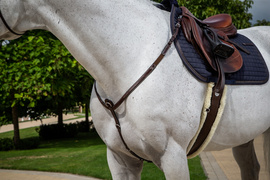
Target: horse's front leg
[(124, 167), (174, 161), (247, 161)]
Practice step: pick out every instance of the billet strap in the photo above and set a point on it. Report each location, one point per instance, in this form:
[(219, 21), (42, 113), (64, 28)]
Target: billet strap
[(108, 104)]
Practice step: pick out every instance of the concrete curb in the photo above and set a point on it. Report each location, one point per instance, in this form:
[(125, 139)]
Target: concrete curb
[(38, 175)]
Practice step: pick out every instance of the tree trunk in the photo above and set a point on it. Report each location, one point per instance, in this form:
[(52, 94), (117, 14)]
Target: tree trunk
[(15, 121), (87, 115), (60, 114)]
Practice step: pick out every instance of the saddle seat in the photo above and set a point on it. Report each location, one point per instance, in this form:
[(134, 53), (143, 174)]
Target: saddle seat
[(219, 20)]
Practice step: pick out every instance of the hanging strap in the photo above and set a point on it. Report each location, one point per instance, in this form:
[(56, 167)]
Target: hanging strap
[(108, 104)]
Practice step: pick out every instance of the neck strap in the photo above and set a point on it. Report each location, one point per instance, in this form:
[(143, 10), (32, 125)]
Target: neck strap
[(6, 24)]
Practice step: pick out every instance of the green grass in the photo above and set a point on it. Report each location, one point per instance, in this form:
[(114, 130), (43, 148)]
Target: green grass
[(84, 155)]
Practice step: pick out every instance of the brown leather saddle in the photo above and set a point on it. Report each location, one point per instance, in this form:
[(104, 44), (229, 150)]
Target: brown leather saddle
[(210, 39)]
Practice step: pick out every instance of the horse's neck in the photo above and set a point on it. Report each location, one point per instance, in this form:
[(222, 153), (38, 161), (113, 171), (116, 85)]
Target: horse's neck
[(115, 41)]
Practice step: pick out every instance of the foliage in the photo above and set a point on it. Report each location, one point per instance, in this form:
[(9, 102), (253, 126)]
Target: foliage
[(262, 23), (21, 73), (84, 126), (56, 131), (38, 72), (28, 143), (6, 144), (38, 76), (238, 9)]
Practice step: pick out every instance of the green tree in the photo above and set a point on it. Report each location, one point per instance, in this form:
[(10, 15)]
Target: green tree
[(61, 71), (70, 83), (38, 76), (263, 22), (21, 79), (236, 8), (83, 92)]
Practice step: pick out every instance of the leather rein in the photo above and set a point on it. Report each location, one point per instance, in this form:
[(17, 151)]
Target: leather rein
[(7, 26), (108, 104)]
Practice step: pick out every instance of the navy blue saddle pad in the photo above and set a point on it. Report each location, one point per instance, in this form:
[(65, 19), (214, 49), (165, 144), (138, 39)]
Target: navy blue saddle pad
[(253, 72)]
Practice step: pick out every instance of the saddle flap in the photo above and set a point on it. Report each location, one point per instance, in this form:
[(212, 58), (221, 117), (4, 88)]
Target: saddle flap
[(235, 61)]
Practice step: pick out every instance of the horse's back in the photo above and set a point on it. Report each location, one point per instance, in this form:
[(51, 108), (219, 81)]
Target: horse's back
[(261, 37)]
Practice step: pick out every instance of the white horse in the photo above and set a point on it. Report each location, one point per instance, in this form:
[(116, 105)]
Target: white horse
[(116, 41)]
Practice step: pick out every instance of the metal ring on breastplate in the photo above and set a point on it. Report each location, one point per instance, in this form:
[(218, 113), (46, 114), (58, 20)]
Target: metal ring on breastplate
[(109, 104)]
